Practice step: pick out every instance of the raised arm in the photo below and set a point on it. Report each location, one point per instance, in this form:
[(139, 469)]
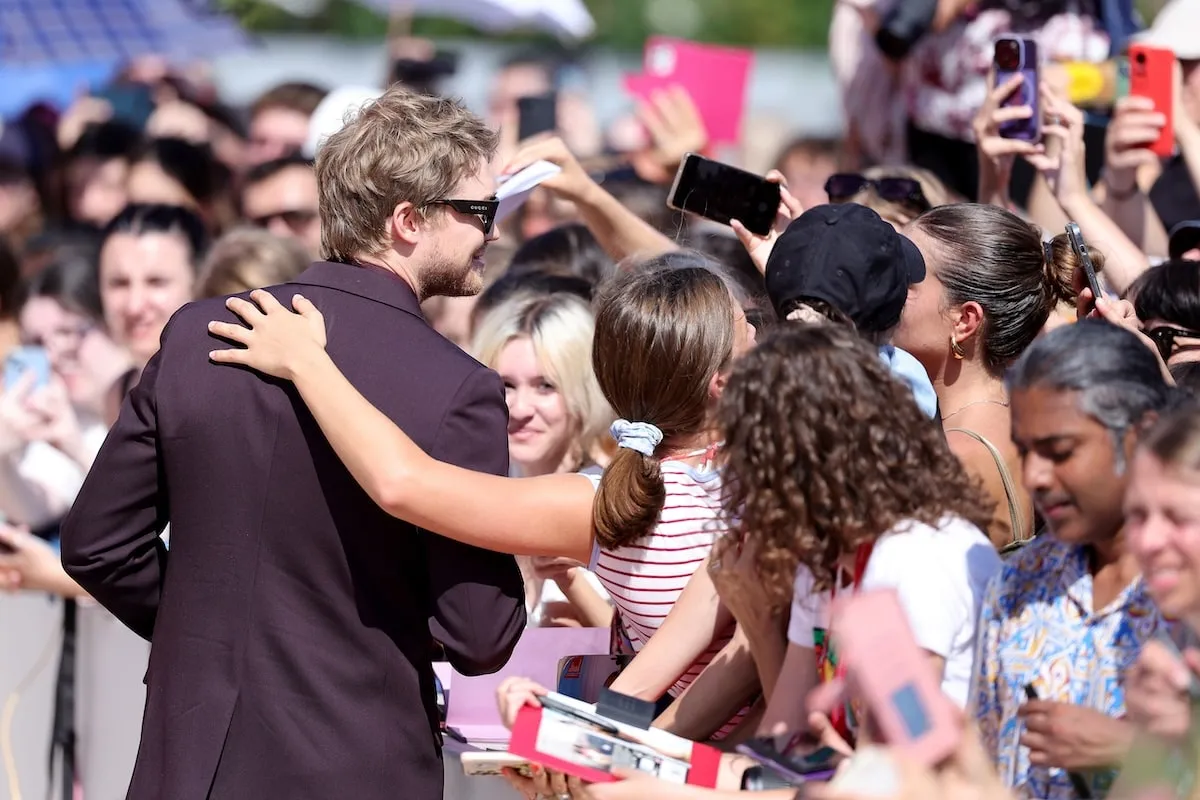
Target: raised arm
[(618, 230), (544, 516)]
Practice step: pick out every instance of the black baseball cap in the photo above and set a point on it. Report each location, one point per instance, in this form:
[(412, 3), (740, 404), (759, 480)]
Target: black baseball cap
[(847, 256), (1184, 237)]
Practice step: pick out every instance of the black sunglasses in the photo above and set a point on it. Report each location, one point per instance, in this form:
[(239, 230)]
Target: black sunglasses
[(484, 209), (845, 185), (1164, 338)]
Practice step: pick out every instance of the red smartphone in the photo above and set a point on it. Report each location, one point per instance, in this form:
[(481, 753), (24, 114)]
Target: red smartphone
[(888, 670), (1152, 75)]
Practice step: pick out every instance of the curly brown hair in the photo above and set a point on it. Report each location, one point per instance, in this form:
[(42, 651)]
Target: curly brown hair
[(825, 450)]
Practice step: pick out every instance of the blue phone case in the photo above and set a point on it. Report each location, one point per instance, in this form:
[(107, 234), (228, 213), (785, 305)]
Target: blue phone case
[(1026, 94), (27, 359)]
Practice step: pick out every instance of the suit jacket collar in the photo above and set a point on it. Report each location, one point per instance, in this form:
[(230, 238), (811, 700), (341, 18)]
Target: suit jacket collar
[(368, 282)]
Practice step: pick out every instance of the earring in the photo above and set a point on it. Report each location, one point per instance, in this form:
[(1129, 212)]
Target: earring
[(956, 348)]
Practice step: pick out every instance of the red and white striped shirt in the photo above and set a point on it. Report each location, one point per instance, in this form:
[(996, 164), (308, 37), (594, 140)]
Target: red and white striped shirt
[(645, 579)]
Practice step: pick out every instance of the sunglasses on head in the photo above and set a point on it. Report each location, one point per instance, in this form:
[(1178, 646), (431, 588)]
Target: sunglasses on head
[(484, 209), (1164, 338), (845, 185)]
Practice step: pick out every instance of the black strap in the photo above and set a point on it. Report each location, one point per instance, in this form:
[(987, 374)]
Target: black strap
[(62, 734)]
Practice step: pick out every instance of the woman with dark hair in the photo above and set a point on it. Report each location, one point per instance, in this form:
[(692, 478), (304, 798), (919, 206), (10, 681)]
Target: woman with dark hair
[(653, 515), (990, 286), (565, 250), (149, 260), (1167, 301), (178, 172), (95, 172), (836, 481)]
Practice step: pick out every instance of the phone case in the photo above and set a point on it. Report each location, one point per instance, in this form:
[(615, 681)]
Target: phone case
[(1027, 93), (887, 669), (749, 198), (27, 359), (1152, 75), (536, 115)]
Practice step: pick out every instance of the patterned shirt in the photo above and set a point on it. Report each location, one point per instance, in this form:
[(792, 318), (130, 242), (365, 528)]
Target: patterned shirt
[(1038, 627)]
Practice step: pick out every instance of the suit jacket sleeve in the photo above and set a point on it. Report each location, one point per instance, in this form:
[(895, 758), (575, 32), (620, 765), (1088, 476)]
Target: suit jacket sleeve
[(478, 596), (110, 538)]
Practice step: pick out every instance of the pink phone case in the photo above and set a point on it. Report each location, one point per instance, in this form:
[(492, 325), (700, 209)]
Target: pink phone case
[(887, 669), (715, 77)]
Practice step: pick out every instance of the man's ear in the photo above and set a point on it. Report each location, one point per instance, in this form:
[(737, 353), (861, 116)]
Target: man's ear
[(406, 222)]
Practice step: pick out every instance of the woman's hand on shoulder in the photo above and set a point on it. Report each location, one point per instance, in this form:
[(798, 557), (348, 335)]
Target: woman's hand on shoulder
[(273, 339)]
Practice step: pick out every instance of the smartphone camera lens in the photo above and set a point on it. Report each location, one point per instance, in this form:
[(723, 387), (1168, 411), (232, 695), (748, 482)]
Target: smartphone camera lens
[(1008, 55), (1140, 58)]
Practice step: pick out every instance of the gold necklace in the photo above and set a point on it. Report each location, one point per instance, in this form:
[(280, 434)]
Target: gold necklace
[(1002, 403)]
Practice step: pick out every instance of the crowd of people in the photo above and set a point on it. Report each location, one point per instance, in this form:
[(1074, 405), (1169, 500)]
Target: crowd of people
[(692, 435)]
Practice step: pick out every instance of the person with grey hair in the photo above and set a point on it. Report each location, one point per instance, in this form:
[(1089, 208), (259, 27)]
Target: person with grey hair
[(1069, 612)]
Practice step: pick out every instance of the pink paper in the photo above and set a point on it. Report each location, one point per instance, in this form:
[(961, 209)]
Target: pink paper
[(715, 77)]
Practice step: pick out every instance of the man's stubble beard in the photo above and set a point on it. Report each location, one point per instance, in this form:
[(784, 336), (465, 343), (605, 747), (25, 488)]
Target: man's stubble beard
[(443, 278)]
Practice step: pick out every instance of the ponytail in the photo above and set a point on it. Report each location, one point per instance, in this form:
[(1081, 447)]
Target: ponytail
[(630, 498), (1062, 265)]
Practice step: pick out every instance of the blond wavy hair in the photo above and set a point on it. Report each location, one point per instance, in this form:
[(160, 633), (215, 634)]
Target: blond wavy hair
[(402, 147)]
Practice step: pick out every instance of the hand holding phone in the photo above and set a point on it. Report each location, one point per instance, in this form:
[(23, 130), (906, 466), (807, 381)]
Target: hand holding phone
[(1084, 257), (723, 193), (1015, 56), (1152, 75), (23, 360), (889, 671)]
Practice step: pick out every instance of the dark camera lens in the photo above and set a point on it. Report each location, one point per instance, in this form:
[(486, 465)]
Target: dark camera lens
[(1140, 58), (1008, 54)]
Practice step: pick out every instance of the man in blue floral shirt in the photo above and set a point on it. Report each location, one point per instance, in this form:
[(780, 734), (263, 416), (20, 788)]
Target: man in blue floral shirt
[(1069, 614)]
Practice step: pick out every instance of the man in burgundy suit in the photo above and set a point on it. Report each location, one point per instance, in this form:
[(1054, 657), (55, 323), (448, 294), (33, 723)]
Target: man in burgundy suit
[(292, 621)]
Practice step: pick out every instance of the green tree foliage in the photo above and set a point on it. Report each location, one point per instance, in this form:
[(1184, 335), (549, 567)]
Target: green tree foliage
[(623, 24)]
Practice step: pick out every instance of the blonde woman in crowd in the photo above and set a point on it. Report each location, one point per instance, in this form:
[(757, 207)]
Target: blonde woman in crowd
[(250, 258), (558, 422)]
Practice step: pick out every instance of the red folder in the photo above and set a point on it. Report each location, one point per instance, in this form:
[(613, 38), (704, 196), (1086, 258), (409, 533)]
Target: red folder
[(716, 78)]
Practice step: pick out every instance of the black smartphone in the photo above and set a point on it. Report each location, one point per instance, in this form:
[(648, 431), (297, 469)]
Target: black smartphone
[(1075, 236), (537, 115), (722, 193), (817, 765)]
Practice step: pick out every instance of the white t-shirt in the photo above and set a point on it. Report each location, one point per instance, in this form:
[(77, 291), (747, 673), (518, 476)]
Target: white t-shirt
[(940, 575)]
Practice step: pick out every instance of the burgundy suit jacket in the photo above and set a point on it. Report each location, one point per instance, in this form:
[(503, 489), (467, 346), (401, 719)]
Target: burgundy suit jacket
[(291, 620)]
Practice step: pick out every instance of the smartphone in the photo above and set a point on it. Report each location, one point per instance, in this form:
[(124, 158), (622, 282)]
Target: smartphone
[(27, 359), (537, 115), (132, 103), (723, 193), (1152, 75), (889, 672), (1014, 55), (1075, 236), (818, 765)]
